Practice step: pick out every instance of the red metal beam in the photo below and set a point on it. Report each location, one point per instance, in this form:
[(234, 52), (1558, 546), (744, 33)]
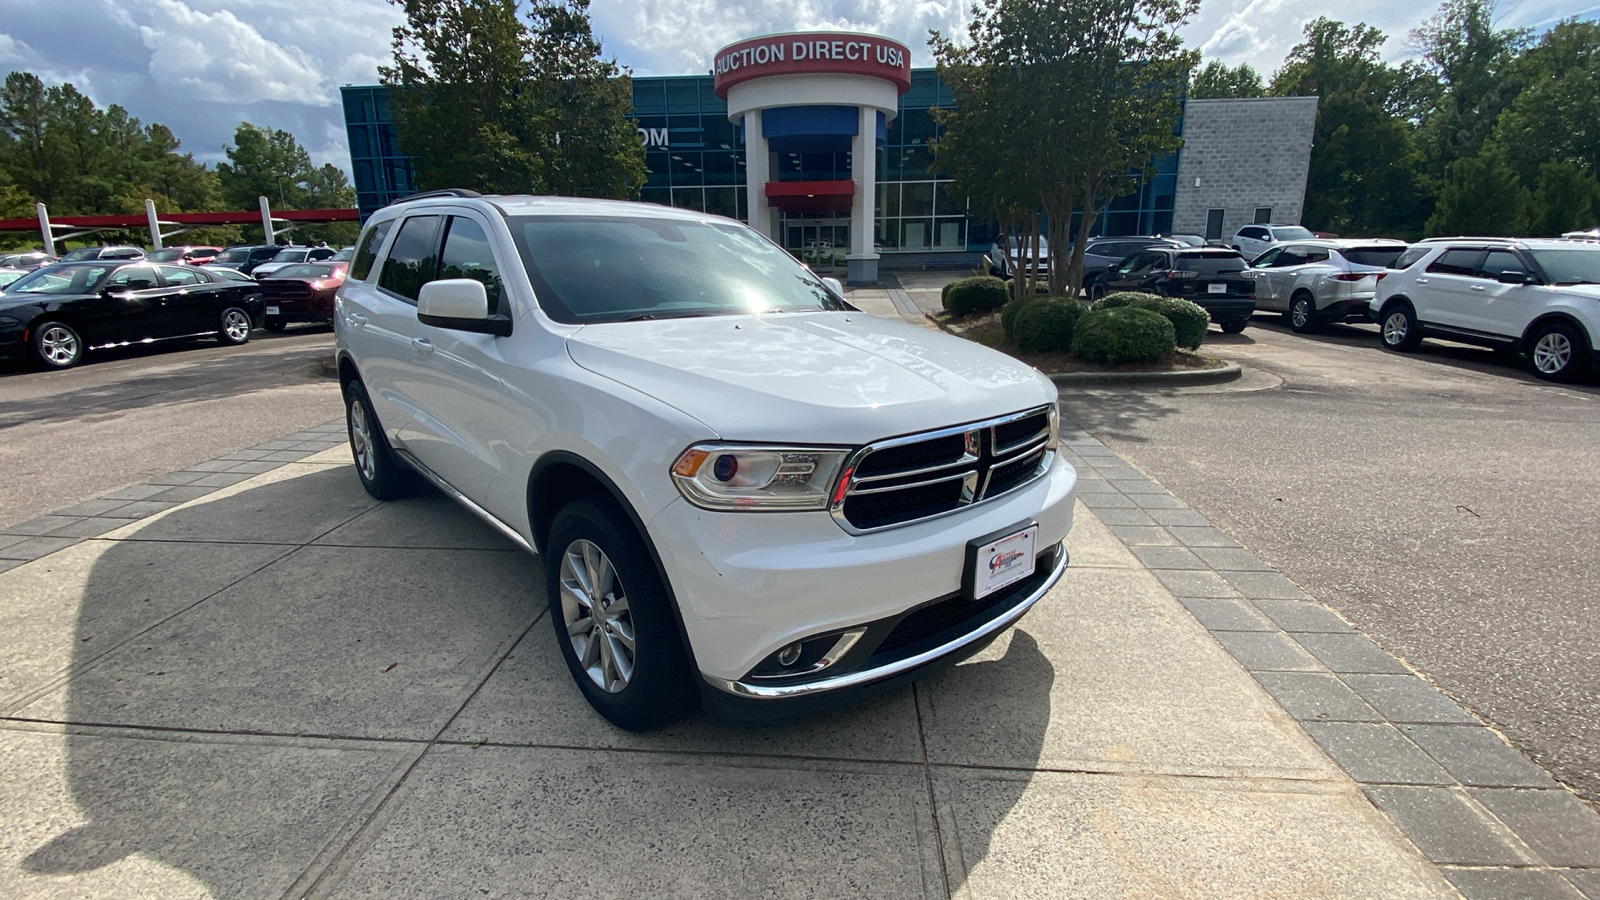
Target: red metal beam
[(137, 221)]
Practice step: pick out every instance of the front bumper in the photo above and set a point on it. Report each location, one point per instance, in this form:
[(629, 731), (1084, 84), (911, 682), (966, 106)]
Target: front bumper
[(748, 584)]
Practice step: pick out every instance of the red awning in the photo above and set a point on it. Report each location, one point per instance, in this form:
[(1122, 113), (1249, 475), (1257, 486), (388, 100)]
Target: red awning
[(811, 196)]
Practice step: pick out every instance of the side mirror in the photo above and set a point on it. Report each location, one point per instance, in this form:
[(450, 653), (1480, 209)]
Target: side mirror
[(835, 285), (461, 304), (1514, 277)]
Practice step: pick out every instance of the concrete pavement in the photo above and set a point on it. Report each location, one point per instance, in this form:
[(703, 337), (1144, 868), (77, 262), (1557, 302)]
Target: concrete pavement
[(277, 687)]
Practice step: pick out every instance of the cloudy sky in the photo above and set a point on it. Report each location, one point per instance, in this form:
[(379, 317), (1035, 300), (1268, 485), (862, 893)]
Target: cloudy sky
[(202, 66)]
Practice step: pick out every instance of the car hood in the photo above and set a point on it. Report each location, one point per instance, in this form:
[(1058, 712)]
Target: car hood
[(1591, 291), (815, 378)]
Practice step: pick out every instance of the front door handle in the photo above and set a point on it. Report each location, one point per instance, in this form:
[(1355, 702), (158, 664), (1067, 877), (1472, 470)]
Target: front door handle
[(357, 319), (1477, 287), (422, 344), (1422, 281)]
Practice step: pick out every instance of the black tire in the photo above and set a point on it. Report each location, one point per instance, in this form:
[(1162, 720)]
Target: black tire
[(1096, 289), (234, 326), (381, 473), (658, 688), (1302, 314), (57, 345), (1397, 328), (1234, 326), (1558, 351), (274, 324)]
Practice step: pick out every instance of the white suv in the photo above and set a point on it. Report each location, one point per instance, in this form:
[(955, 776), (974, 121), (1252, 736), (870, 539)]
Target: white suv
[(1540, 297), (1314, 282), (1253, 240), (746, 492)]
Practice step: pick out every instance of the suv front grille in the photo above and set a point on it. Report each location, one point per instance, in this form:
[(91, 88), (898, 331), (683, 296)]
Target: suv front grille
[(908, 479)]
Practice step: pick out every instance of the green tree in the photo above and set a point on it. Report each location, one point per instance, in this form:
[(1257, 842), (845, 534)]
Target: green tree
[(489, 101), (1216, 81), (1481, 196), (264, 162), (1556, 117), (1472, 62), (1365, 174), (1567, 199)]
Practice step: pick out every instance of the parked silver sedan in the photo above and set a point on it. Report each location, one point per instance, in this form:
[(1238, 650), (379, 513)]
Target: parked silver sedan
[(1318, 281)]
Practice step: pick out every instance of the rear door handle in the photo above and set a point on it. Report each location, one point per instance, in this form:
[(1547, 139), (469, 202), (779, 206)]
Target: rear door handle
[(1477, 287), (1422, 281), (423, 344)]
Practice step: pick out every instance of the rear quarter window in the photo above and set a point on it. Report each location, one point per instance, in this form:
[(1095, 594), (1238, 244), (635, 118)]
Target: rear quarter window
[(1410, 257), (367, 250), (1384, 257)]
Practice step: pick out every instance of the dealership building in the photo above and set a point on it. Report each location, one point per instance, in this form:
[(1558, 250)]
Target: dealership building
[(821, 139)]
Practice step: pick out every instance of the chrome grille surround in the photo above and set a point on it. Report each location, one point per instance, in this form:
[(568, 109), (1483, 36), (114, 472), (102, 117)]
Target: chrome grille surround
[(987, 446)]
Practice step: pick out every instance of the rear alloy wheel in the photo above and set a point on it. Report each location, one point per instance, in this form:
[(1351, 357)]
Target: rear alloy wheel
[(58, 345), (381, 474), (1303, 314), (1558, 352), (236, 326), (613, 618), (1399, 328), (1097, 289)]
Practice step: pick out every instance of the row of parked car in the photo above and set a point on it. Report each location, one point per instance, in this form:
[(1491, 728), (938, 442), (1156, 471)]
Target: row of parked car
[(1538, 297), (58, 310)]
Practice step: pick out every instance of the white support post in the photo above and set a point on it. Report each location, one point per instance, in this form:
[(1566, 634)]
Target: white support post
[(155, 225), (861, 266), (757, 173), (266, 220), (44, 229)]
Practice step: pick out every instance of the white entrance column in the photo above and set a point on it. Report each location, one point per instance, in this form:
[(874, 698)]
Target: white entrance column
[(861, 266), (757, 162)]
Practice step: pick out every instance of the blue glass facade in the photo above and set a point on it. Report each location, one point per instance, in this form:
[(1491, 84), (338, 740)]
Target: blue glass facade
[(694, 158)]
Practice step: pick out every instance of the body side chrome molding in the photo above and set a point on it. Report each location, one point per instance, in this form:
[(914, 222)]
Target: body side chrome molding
[(462, 499), (867, 676)]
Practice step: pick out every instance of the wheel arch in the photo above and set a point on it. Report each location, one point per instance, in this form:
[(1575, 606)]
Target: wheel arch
[(347, 371), (65, 318), (1392, 302), (1551, 317), (561, 476)]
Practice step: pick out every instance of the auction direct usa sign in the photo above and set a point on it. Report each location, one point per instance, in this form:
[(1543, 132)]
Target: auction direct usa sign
[(821, 52)]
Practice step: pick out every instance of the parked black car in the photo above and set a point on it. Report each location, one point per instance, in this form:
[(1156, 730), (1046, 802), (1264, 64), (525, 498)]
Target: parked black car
[(246, 258), (87, 253), (59, 312), (30, 260), (1214, 278), (1102, 253)]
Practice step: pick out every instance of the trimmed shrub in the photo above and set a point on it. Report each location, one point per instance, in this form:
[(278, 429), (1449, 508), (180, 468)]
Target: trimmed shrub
[(1046, 325), (1008, 315), (975, 295), (1188, 319), (1123, 334)]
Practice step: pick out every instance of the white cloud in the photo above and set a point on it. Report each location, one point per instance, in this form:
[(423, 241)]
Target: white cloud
[(219, 57), (14, 52)]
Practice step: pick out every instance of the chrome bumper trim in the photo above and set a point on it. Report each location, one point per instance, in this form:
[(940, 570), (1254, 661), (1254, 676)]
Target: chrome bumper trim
[(867, 676)]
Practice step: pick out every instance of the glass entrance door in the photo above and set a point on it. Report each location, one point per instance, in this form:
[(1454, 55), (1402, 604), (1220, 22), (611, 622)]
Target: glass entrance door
[(821, 244)]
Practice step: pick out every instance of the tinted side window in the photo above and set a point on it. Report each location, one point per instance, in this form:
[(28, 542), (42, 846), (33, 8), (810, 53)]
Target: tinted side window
[(1456, 262), (1501, 261), (1291, 256), (178, 275), (134, 278), (1269, 258), (1316, 254), (414, 258), (467, 255), (367, 250)]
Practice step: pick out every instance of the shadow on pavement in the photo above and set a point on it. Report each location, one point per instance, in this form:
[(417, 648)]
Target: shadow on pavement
[(255, 693)]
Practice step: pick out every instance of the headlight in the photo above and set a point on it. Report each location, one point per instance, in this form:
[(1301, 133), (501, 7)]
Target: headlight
[(730, 477)]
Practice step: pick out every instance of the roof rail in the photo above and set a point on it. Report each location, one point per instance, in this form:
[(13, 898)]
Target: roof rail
[(1471, 237), (443, 192)]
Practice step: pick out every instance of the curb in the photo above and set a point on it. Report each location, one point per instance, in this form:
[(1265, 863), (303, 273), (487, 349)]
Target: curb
[(1227, 372)]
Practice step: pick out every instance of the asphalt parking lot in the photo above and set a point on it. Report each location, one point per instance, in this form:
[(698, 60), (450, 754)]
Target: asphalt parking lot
[(1443, 501)]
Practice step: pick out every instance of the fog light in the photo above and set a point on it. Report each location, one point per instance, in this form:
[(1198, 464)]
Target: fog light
[(789, 655)]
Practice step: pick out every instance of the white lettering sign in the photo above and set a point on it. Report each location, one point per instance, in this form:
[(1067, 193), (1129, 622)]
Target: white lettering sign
[(653, 137)]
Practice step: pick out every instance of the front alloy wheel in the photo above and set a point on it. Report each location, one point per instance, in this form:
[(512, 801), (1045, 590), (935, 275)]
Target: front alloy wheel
[(58, 346), (594, 607)]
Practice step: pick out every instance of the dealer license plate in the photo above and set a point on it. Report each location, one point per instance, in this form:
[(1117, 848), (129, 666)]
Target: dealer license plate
[(1003, 562), (1216, 289), (272, 310)]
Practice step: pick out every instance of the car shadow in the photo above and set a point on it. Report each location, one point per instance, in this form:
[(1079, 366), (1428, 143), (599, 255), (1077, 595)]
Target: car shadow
[(220, 619)]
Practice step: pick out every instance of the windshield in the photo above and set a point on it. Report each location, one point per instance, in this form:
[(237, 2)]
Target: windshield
[(81, 253), (61, 280), (1292, 233), (289, 256), (1016, 242), (167, 255), (1574, 266), (1211, 263), (309, 270), (236, 254), (592, 269), (1382, 257), (7, 277), (346, 253)]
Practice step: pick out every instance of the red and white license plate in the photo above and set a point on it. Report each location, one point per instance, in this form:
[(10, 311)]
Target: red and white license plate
[(1003, 562)]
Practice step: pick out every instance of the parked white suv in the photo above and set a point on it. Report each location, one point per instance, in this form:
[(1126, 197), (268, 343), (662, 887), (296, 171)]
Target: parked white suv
[(1319, 281), (1540, 297), (1253, 240), (746, 492)]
